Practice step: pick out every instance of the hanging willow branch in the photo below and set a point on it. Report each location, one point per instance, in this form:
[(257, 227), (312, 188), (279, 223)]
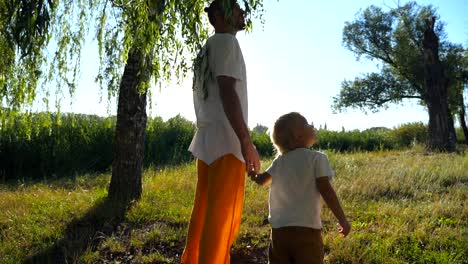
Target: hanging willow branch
[(41, 43)]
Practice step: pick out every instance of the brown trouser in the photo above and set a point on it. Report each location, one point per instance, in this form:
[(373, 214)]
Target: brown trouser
[(295, 245)]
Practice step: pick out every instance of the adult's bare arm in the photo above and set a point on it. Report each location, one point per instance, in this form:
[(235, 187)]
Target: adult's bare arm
[(233, 110)]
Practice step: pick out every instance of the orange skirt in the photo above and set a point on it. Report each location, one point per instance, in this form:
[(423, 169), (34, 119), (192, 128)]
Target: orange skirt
[(217, 210)]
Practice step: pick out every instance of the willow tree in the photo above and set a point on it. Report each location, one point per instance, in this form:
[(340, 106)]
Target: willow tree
[(141, 44), (413, 56)]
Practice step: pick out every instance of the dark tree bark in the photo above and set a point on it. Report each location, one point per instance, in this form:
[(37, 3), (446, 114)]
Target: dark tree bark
[(125, 185), (441, 129), (462, 115), (130, 133)]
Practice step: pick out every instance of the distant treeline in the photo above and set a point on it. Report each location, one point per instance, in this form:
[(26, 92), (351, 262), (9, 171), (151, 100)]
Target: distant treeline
[(41, 146)]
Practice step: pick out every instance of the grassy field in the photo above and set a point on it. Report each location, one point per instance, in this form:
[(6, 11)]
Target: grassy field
[(405, 207)]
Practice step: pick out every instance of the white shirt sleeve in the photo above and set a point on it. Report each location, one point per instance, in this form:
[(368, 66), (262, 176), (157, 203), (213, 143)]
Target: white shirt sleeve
[(225, 57), (322, 166)]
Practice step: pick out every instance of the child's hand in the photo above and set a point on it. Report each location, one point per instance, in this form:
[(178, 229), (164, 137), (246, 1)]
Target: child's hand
[(261, 178), (344, 228), (255, 178)]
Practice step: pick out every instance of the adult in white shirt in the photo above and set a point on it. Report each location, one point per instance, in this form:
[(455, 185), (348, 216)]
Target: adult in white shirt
[(222, 143)]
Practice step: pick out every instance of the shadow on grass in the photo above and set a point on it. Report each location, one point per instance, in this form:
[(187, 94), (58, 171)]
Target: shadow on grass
[(83, 233)]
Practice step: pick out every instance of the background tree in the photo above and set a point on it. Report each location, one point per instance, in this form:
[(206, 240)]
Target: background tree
[(139, 42), (259, 128), (456, 65), (395, 39), (441, 130)]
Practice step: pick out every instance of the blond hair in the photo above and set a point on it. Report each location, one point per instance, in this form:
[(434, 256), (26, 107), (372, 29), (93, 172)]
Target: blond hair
[(283, 131)]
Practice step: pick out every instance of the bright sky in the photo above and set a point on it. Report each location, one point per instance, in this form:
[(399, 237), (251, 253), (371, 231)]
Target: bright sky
[(295, 62)]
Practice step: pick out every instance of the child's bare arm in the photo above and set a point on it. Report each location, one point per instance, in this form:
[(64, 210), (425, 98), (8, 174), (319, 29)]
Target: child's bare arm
[(262, 178), (329, 196)]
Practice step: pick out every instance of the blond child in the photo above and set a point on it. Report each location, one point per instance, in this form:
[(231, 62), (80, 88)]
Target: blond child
[(298, 177)]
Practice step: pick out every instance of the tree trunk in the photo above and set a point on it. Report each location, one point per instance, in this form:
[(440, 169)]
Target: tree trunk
[(130, 132), (462, 115), (441, 128)]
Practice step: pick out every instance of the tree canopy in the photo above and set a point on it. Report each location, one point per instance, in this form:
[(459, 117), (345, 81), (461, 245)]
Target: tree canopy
[(41, 43)]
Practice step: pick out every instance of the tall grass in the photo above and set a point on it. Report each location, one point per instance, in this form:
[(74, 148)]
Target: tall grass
[(404, 206)]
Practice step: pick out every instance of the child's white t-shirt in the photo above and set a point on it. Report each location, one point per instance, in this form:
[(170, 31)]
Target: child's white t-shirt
[(215, 136), (294, 199)]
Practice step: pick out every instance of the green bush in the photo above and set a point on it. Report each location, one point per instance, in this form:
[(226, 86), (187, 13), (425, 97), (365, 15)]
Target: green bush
[(167, 142), (460, 136), (263, 143), (410, 134), (43, 145), (355, 140)]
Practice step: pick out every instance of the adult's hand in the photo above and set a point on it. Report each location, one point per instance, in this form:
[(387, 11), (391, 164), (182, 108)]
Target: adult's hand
[(252, 160)]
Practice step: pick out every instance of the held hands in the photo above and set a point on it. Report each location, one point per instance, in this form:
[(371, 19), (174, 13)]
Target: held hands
[(262, 178), (252, 160), (257, 178)]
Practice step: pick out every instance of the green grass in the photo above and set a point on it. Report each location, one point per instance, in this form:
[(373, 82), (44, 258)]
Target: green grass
[(405, 207)]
